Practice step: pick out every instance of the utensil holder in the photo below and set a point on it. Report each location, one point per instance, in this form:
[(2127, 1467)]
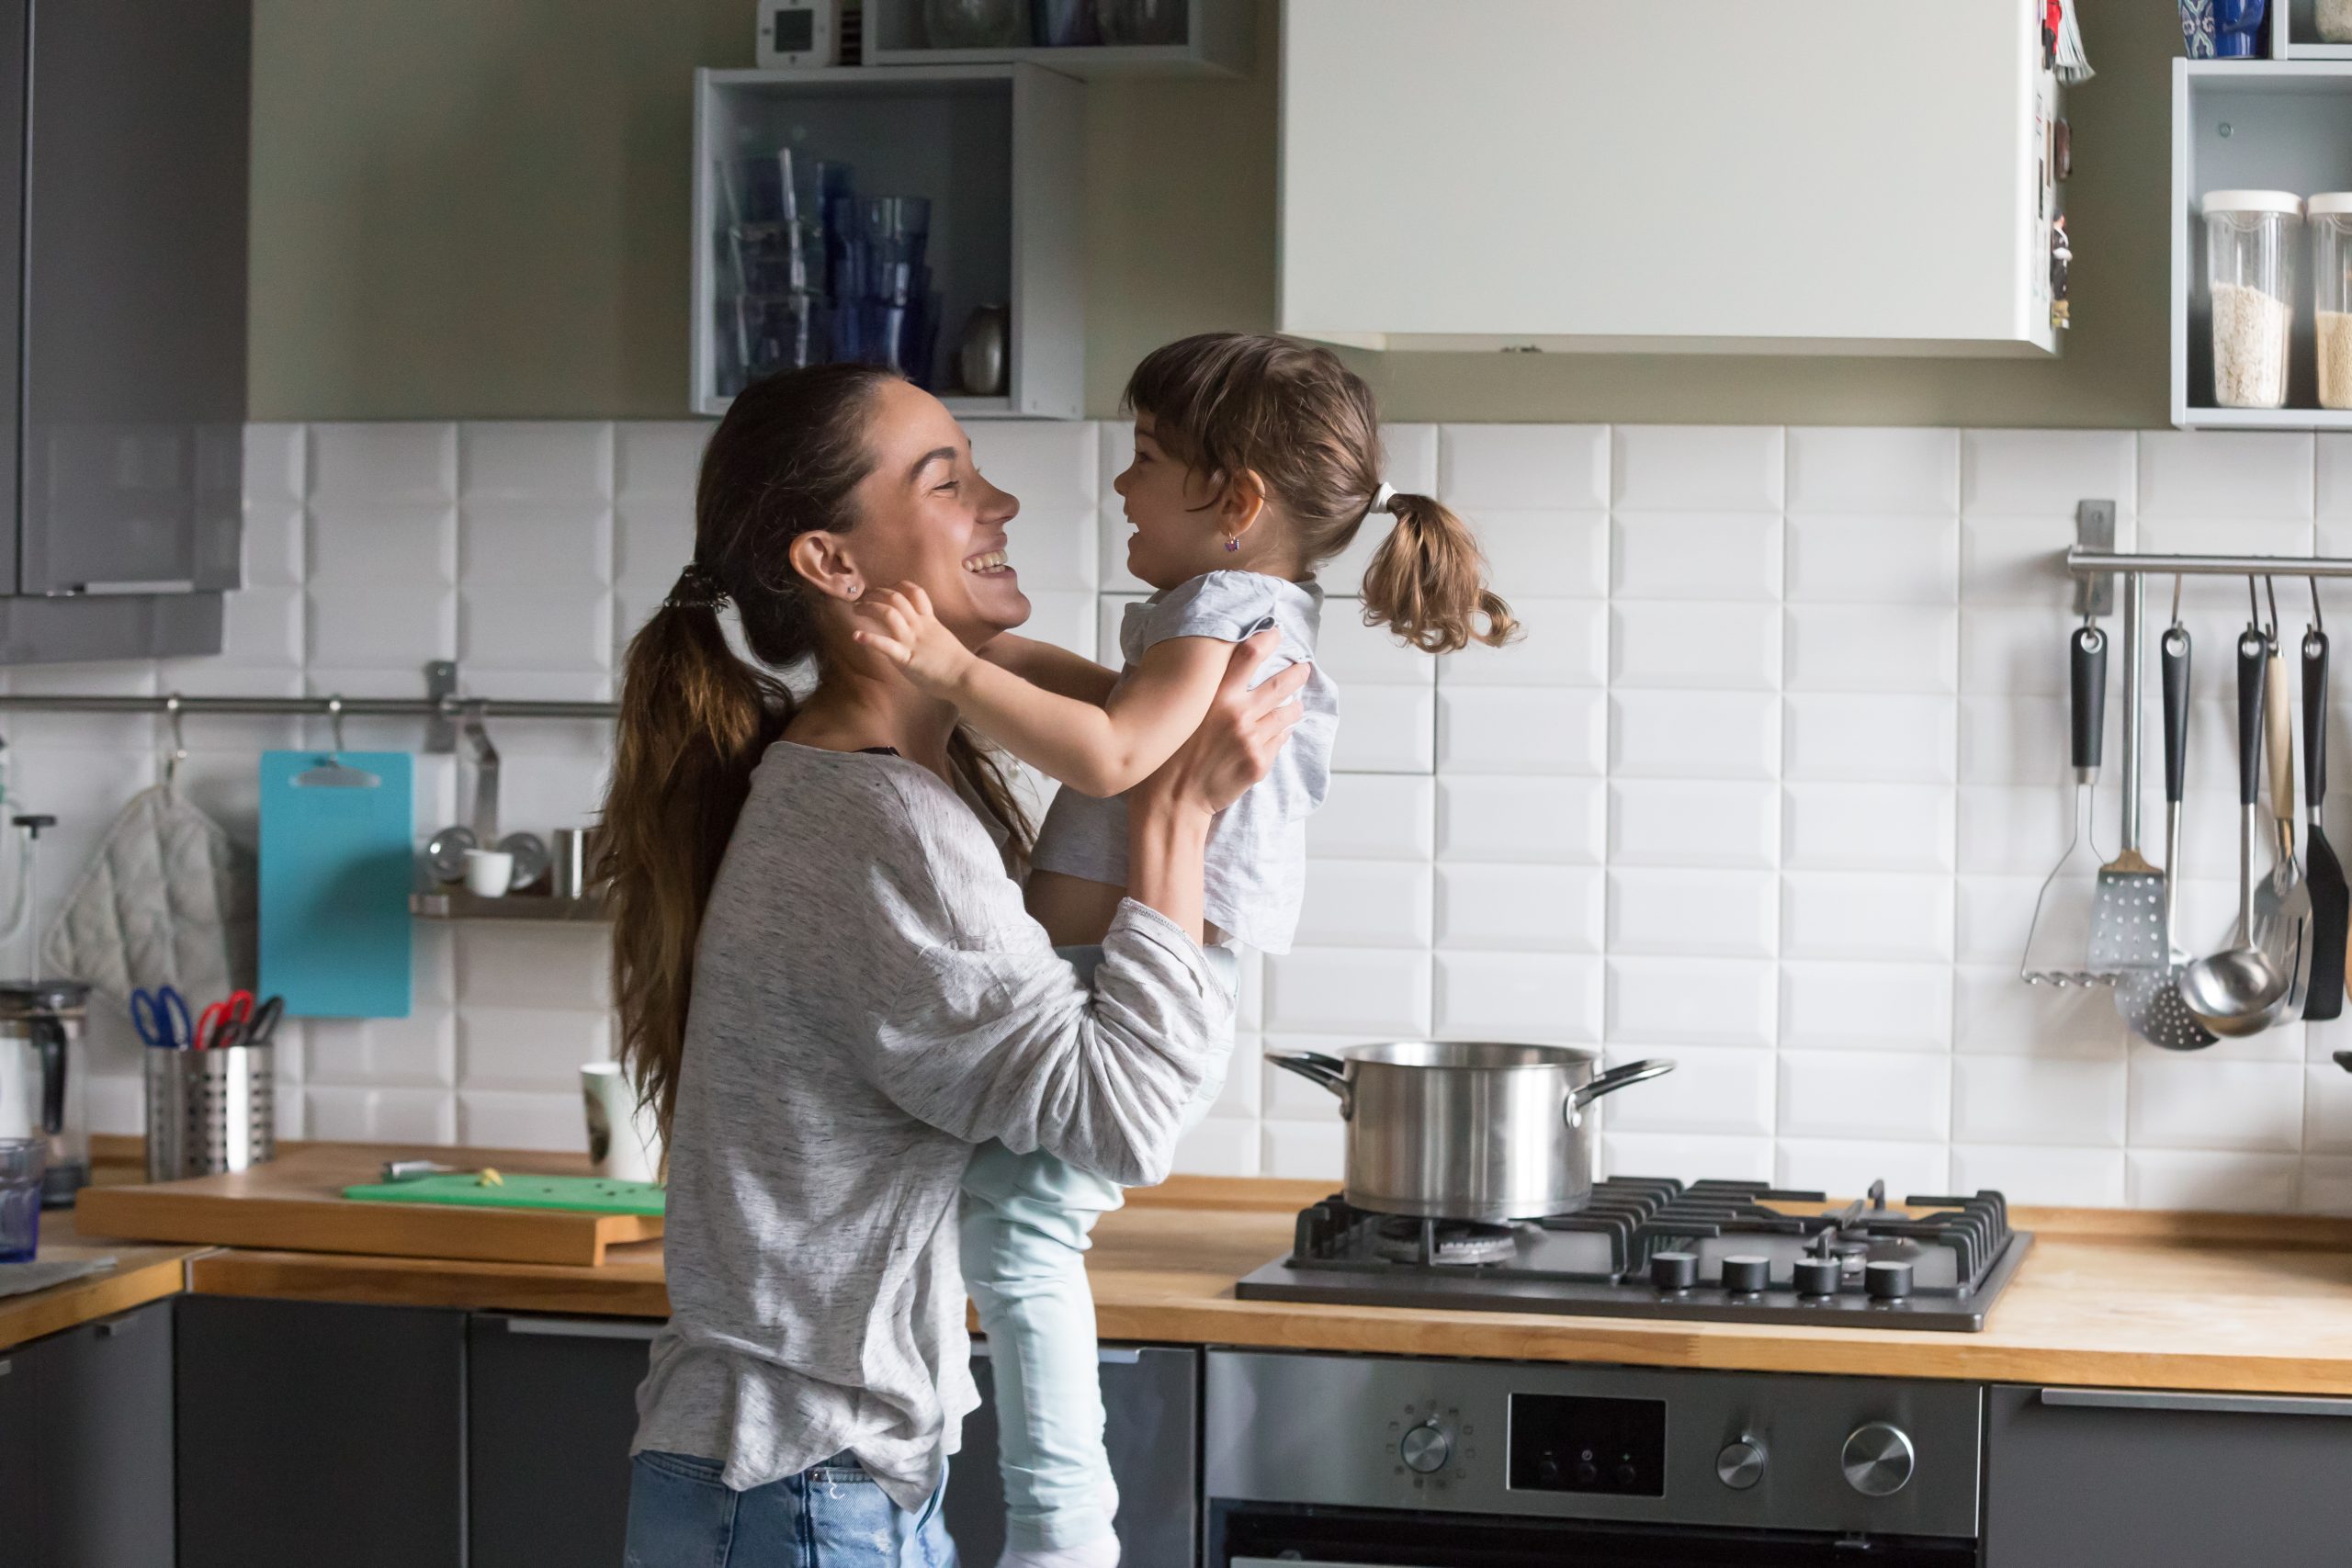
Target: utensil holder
[(210, 1112)]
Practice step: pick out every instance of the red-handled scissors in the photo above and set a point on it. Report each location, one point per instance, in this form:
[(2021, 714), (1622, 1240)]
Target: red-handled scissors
[(221, 1024)]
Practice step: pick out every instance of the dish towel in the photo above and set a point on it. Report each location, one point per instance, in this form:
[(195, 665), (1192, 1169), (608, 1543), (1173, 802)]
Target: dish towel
[(15, 1278), (167, 901)]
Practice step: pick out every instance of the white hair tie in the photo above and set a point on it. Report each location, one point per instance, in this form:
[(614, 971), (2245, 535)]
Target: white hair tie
[(1381, 498)]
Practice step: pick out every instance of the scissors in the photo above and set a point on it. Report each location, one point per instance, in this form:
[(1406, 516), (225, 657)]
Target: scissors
[(253, 1030), (161, 1018), (223, 1023)]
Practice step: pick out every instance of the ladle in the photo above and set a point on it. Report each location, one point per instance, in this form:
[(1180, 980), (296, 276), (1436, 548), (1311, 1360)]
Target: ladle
[(2239, 991)]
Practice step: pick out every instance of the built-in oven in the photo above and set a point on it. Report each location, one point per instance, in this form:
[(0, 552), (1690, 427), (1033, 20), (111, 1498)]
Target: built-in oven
[(1360, 1462)]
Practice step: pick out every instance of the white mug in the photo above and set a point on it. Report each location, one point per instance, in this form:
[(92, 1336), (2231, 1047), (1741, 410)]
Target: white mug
[(489, 872), (623, 1142)]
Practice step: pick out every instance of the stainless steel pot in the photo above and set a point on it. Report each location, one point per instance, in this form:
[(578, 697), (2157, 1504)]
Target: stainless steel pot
[(1466, 1130)]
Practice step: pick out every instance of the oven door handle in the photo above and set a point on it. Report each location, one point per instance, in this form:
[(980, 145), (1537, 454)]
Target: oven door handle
[(2195, 1403)]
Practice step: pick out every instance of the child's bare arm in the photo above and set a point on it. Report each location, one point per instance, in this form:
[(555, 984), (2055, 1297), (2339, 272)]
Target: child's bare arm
[(1097, 750), (1053, 667)]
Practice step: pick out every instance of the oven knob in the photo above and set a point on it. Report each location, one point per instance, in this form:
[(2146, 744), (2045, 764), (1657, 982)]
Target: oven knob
[(1878, 1460), (1818, 1276), (1741, 1465), (1426, 1448), (1746, 1276), (1887, 1282), (1674, 1271)]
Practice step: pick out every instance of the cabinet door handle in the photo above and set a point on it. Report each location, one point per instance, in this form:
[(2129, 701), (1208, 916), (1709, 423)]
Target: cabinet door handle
[(2194, 1403), (1105, 1355), (144, 585), (581, 1328)]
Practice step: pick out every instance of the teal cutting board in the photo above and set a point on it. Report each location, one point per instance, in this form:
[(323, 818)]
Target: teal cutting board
[(336, 869), (590, 1194)]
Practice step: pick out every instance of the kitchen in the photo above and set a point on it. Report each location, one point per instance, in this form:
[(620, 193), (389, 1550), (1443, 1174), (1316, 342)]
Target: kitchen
[(1771, 789)]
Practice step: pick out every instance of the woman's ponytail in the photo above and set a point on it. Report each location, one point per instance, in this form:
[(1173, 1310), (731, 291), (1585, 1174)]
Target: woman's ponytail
[(1427, 581), (693, 721)]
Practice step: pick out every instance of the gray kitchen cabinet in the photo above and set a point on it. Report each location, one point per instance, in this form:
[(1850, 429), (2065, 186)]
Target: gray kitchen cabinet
[(313, 1433), (2131, 1478), (550, 1407), (122, 236), (19, 1447), (1151, 1398), (104, 1467)]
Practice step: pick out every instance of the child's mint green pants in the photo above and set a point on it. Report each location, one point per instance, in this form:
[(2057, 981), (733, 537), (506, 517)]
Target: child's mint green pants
[(1026, 1221)]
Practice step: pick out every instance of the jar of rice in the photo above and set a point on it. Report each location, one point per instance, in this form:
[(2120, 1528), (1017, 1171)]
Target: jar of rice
[(2331, 216), (2250, 237), (2333, 21)]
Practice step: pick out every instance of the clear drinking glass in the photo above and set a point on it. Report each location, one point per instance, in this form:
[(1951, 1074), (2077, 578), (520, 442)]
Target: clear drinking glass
[(2250, 237), (2331, 220), (976, 24), (21, 1161), (1142, 21)]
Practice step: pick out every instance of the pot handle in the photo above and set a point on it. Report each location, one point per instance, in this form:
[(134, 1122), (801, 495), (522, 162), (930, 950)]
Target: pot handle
[(1316, 1068), (1611, 1082)]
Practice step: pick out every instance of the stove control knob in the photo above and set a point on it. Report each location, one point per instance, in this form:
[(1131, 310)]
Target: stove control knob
[(1746, 1276), (1818, 1276), (1426, 1448), (1887, 1282), (1741, 1465), (1674, 1271), (1878, 1460)]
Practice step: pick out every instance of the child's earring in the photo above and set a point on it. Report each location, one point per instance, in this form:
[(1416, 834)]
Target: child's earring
[(1232, 545)]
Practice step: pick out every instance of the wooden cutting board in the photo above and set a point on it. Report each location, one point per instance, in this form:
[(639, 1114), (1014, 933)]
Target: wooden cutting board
[(295, 1203)]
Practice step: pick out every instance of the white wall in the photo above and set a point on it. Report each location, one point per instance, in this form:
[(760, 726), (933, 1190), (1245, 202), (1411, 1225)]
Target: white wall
[(1770, 787)]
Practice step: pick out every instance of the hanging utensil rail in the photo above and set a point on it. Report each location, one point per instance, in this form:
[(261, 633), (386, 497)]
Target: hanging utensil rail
[(2084, 563), (453, 708)]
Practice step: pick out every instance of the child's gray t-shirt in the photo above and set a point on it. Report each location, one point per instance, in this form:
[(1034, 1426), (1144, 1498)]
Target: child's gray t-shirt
[(1256, 867)]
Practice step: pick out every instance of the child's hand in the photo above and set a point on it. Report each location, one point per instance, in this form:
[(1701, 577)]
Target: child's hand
[(897, 622)]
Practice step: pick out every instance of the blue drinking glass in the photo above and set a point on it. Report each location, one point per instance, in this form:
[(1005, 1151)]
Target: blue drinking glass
[(21, 1162)]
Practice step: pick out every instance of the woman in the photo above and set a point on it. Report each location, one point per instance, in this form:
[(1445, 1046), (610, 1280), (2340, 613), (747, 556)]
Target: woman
[(829, 989)]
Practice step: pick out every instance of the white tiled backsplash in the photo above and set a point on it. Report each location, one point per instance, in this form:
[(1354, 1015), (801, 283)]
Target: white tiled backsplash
[(1768, 788)]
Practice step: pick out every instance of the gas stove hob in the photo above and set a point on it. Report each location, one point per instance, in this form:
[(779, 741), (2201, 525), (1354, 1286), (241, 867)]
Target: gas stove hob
[(1726, 1251)]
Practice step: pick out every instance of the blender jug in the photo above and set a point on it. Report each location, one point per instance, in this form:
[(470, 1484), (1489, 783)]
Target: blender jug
[(41, 1086)]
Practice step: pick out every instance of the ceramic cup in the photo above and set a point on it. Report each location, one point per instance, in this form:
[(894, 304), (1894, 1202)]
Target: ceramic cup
[(489, 872), (622, 1142)]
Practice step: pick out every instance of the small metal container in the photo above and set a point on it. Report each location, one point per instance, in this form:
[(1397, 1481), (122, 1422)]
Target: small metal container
[(1467, 1130), (210, 1112), (571, 856)]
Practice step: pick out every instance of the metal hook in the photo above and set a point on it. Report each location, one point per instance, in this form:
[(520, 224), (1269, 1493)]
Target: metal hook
[(178, 753), (2270, 587), (2319, 621), (2177, 579), (2253, 606), (334, 721)]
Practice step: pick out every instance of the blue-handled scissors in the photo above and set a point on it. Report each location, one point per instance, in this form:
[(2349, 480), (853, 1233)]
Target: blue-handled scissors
[(161, 1017)]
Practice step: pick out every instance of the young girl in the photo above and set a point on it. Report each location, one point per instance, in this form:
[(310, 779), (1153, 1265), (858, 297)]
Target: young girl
[(1257, 460)]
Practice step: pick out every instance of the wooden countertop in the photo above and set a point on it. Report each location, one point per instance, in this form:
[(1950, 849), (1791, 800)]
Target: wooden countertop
[(2106, 1297), (140, 1274)]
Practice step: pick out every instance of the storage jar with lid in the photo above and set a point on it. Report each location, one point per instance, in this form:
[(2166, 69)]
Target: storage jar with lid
[(2331, 218), (2250, 274)]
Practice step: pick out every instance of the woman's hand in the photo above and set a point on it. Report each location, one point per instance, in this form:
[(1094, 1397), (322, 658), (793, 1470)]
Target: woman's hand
[(1235, 743), (897, 622)]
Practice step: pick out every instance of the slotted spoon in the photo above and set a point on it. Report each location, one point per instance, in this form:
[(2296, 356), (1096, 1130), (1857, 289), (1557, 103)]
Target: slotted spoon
[(2150, 999), (2128, 921)]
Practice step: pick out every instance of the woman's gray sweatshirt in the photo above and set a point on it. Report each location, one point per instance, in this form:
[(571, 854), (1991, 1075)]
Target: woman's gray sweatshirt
[(870, 1000)]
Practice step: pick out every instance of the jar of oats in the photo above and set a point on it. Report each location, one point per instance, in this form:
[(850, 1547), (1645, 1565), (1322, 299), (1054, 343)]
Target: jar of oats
[(2250, 238), (2331, 216)]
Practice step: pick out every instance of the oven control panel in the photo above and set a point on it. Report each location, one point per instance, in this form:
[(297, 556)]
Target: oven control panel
[(1864, 1456), (1568, 1443)]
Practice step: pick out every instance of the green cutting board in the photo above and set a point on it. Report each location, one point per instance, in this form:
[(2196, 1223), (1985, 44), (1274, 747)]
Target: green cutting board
[(587, 1194)]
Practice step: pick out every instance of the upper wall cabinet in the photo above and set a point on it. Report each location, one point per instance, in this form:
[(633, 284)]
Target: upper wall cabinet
[(123, 234), (1703, 175)]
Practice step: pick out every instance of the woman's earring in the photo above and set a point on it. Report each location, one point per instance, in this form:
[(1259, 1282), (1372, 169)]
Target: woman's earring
[(1231, 546)]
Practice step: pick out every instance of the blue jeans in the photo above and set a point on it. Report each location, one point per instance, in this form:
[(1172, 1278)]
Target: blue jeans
[(1025, 1223), (829, 1516)]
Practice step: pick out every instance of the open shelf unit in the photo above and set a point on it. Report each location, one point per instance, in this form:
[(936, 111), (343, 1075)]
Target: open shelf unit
[(2294, 33), (997, 148), (2259, 124), (1217, 42)]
